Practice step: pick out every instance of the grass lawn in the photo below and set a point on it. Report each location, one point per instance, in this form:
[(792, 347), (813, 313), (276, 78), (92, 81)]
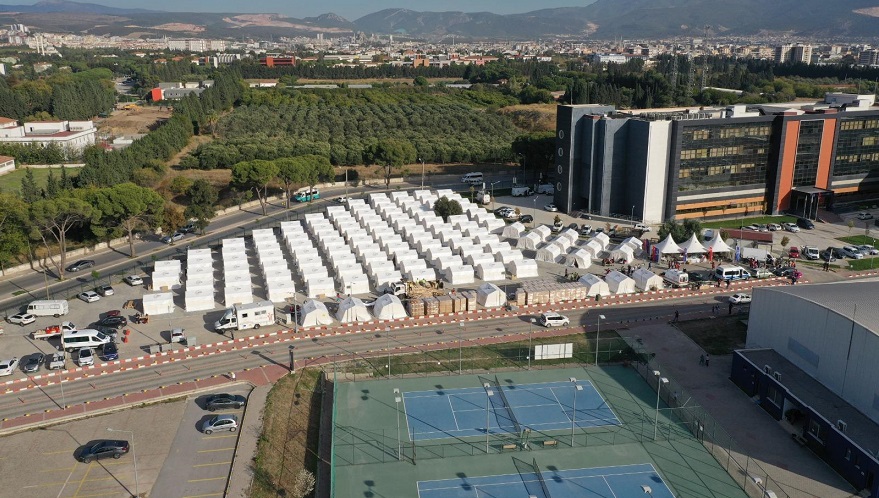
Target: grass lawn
[(718, 336), (12, 181), (858, 240), (743, 222), (863, 264)]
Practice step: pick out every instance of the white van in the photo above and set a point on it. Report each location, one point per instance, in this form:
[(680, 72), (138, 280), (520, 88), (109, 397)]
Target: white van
[(54, 308), (553, 319), (731, 273), (73, 340), (472, 178)]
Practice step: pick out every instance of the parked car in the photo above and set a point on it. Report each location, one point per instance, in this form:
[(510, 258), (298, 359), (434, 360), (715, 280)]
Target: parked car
[(865, 216), (740, 298), (177, 335), (585, 230), (33, 363), (762, 228), (526, 218), (784, 271), (174, 237), (105, 290), (104, 449), (556, 227), (110, 351), (868, 250), (852, 252), (828, 255), (753, 227), (774, 227), (116, 322), (89, 296), (133, 280), (188, 228), (224, 400), (511, 215), (220, 423), (644, 228), (22, 319), (837, 252), (793, 252), (81, 265), (791, 227), (7, 367), (804, 223), (86, 357), (551, 208), (501, 210)]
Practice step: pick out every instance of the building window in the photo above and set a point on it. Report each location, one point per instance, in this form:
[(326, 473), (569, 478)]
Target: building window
[(857, 147), (712, 156), (808, 150), (775, 396), (815, 429)]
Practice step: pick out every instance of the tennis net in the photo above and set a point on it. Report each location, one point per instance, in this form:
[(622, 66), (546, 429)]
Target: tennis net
[(507, 405)]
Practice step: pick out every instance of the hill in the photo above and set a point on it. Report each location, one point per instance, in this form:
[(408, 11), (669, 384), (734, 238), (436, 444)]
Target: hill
[(47, 6)]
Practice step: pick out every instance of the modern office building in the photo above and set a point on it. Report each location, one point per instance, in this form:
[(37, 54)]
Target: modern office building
[(812, 367), (739, 160)]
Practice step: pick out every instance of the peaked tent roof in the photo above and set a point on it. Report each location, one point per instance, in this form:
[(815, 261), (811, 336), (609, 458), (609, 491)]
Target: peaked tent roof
[(693, 246), (717, 244), (667, 246)]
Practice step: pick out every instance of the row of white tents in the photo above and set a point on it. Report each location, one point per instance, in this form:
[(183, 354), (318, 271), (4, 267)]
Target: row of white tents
[(237, 287), (279, 285), (307, 260), (693, 246), (199, 294)]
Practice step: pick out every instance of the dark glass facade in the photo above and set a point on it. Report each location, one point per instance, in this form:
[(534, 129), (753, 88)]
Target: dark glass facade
[(857, 146), (724, 155), (808, 151)]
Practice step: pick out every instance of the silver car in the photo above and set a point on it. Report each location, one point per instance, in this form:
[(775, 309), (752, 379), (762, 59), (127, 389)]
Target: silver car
[(220, 423), (852, 252)]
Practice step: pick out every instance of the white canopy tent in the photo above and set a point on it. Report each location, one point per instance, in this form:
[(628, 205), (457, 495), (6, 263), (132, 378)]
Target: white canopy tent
[(281, 291), (314, 313), (491, 271), (602, 238), (594, 285), (623, 252), (237, 294), (619, 283), (570, 234), (199, 299), (507, 257), (490, 295), (580, 258), (693, 246), (417, 274), (646, 280), (717, 244), (353, 283), (352, 309), (544, 231), (161, 303), (530, 241), (320, 286), (165, 280), (513, 230), (667, 246), (388, 307), (549, 253), (522, 268), (482, 257), (635, 243), (493, 225)]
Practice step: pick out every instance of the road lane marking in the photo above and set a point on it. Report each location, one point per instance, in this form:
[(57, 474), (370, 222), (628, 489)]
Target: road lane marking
[(211, 464), (207, 479), (218, 449)]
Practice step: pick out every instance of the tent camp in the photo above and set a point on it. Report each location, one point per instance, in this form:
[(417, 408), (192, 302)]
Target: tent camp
[(594, 248), (602, 239), (623, 253), (353, 283), (580, 258), (594, 285), (490, 295), (321, 286), (514, 230), (635, 243), (352, 309), (161, 303), (388, 307), (646, 280), (619, 283), (717, 244), (314, 313), (530, 241), (549, 253), (693, 246), (281, 291), (667, 246), (507, 257), (491, 271), (199, 299), (237, 294), (522, 268)]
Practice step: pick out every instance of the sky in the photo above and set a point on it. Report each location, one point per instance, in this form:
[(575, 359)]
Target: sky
[(349, 9)]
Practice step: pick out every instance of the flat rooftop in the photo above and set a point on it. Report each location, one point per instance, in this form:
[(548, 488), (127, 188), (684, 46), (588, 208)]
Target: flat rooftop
[(853, 299), (860, 429)]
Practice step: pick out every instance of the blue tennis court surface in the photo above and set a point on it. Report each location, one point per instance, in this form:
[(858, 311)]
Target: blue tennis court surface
[(624, 481), (548, 406)]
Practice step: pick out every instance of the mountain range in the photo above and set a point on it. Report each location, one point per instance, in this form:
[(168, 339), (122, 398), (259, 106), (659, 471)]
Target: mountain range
[(602, 19)]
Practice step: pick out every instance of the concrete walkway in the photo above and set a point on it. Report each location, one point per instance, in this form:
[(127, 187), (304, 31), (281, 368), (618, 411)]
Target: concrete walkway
[(799, 471), (241, 474)]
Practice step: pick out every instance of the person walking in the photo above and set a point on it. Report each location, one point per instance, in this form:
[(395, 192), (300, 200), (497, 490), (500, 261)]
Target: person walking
[(677, 315), (701, 359), (232, 375), (707, 359)]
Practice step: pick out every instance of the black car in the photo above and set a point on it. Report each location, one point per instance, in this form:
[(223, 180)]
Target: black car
[(81, 265), (784, 271), (804, 223), (33, 363), (190, 228), (216, 401), (109, 351), (103, 449), (526, 218), (112, 321)]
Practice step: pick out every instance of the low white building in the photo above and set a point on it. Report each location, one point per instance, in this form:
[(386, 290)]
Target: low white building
[(71, 135)]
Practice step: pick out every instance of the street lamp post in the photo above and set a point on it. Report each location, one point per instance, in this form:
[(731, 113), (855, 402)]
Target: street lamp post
[(63, 402), (422, 172), (659, 382), (397, 400), (577, 387), (597, 333), (460, 333), (133, 456), (489, 393), (633, 214), (388, 335), (530, 330), (492, 194)]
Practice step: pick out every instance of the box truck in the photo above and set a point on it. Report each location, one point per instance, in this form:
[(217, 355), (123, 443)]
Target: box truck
[(246, 316)]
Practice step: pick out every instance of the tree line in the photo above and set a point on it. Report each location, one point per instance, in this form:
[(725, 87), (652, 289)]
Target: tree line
[(64, 95)]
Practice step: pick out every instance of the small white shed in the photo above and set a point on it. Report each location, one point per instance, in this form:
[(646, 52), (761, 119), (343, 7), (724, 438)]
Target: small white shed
[(314, 313), (646, 280), (619, 283), (161, 303), (490, 295), (594, 285)]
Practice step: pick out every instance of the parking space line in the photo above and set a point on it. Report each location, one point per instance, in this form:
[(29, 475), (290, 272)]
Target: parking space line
[(114, 493), (220, 437), (208, 479), (218, 449), (204, 496), (82, 481), (211, 464)]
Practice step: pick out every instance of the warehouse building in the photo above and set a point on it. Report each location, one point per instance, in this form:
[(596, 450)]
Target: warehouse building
[(739, 160), (811, 363)]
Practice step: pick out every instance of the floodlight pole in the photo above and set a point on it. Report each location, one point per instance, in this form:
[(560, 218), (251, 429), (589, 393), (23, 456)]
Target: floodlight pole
[(489, 393), (397, 399), (659, 382), (388, 335), (530, 330), (460, 333), (422, 172), (577, 387), (597, 333)]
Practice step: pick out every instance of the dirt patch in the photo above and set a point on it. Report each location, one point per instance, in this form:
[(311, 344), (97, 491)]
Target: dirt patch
[(132, 122), (532, 117), (719, 335)]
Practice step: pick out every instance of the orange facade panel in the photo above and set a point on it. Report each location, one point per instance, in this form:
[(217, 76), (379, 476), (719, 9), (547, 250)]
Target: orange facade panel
[(788, 160), (828, 137), (718, 204)]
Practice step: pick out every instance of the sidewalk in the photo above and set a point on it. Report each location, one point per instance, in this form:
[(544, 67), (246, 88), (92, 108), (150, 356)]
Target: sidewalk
[(798, 470), (241, 474)]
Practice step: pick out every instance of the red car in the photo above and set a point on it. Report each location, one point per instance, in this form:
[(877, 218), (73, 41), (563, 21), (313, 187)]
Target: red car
[(794, 252)]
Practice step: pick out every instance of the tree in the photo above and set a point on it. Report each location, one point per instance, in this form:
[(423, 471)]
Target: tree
[(53, 219), (53, 186), (290, 172), (536, 150), (392, 153), (13, 227), (303, 484), (180, 184), (421, 81), (679, 232), (30, 191), (202, 199), (255, 176), (173, 219), (445, 207), (124, 209)]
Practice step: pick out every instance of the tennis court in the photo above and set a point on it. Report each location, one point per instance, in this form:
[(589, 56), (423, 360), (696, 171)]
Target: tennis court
[(497, 409), (602, 482)]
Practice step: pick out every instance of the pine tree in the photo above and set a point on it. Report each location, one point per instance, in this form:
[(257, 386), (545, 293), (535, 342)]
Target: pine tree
[(52, 186), (30, 192), (66, 180)]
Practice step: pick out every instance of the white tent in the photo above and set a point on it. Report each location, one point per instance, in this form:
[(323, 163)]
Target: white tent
[(522, 268), (514, 230), (647, 280), (485, 238), (594, 285), (570, 234), (507, 257), (544, 231), (475, 259), (619, 283), (530, 241), (458, 275), (490, 295), (280, 291), (237, 294), (314, 313), (199, 299), (158, 304), (320, 286), (717, 244), (623, 252), (580, 258), (635, 243), (549, 253), (693, 246), (594, 248), (602, 239), (353, 283), (352, 309), (417, 274), (388, 307), (167, 279), (493, 225), (491, 271), (667, 246)]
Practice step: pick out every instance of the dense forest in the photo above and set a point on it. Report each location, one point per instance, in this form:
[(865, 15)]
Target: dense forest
[(64, 95)]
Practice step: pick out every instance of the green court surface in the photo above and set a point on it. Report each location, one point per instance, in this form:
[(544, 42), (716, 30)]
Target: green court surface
[(373, 456)]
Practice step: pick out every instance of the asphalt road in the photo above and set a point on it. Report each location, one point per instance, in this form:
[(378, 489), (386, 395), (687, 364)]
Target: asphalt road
[(341, 347)]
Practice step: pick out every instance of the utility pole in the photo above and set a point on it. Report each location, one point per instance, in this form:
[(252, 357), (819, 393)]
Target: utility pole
[(705, 57)]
